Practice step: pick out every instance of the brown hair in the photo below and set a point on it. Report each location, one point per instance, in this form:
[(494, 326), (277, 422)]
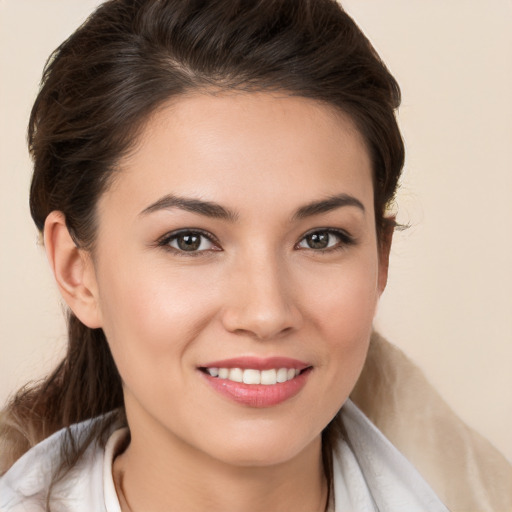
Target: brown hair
[(102, 84)]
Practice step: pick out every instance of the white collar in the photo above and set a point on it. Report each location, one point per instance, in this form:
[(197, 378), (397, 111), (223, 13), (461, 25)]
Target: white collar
[(370, 474)]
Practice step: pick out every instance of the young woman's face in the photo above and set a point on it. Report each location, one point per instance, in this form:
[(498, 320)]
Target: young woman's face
[(239, 239)]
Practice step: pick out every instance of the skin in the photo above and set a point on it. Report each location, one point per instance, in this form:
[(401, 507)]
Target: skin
[(258, 290)]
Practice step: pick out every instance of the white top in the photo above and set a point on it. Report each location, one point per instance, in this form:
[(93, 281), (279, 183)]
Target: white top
[(370, 475)]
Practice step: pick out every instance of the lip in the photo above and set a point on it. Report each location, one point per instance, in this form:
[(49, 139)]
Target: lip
[(258, 395)]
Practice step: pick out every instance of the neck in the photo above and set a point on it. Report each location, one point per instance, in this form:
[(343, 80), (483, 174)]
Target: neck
[(173, 476)]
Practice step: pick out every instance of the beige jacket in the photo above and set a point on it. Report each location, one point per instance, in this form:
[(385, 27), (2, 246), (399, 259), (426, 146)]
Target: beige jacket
[(464, 469)]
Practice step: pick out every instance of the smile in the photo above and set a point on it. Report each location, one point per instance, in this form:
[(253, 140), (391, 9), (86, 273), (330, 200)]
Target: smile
[(257, 382), (253, 376)]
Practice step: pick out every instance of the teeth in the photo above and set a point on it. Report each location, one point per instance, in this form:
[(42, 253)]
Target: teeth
[(282, 375), (236, 375), (268, 377), (250, 376), (214, 372)]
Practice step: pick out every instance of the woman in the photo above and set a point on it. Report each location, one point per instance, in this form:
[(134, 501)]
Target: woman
[(212, 180)]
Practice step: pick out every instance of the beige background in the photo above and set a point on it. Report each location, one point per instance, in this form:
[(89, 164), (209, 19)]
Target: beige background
[(449, 301)]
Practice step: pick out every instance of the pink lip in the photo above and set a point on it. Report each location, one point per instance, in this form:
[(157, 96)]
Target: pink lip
[(257, 363), (258, 395)]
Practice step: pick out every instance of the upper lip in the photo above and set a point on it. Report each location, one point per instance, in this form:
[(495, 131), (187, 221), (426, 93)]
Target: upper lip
[(258, 363)]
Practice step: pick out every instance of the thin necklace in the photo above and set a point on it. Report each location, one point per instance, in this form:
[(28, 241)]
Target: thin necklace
[(117, 477)]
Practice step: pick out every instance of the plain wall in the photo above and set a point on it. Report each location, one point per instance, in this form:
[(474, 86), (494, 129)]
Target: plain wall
[(449, 301)]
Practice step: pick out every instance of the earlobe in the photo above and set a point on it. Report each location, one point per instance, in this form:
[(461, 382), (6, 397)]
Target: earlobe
[(386, 238), (73, 270)]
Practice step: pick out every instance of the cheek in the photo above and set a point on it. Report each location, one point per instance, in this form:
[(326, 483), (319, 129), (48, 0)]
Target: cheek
[(151, 315), (343, 315), (348, 299)]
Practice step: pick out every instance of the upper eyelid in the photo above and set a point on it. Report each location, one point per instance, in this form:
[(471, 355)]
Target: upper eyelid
[(174, 234), (182, 231), (338, 231)]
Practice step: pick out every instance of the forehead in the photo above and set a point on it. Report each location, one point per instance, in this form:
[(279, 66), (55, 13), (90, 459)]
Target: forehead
[(239, 146)]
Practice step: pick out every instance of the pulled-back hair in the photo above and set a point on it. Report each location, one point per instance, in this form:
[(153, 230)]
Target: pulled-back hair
[(99, 88)]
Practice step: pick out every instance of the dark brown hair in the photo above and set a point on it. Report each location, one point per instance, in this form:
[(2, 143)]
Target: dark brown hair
[(102, 84)]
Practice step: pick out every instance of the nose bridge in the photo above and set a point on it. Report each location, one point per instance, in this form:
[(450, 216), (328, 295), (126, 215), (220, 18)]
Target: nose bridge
[(260, 302)]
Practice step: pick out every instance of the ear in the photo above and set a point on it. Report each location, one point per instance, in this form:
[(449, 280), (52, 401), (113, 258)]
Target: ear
[(73, 270), (386, 237)]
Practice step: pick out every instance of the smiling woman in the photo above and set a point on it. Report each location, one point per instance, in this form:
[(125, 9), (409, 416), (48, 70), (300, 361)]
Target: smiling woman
[(212, 180), (261, 288)]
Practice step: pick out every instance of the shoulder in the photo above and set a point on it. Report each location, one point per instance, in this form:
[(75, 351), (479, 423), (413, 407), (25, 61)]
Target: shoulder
[(464, 469), (24, 488), (373, 473)]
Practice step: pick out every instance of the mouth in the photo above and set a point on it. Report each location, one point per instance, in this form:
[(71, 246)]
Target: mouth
[(257, 382), (253, 376)]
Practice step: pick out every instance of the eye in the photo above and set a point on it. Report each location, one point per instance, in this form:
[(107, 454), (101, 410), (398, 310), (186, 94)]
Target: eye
[(188, 241), (325, 239)]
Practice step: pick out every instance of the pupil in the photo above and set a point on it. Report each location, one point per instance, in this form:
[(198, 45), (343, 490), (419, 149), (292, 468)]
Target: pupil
[(318, 240), (189, 242)]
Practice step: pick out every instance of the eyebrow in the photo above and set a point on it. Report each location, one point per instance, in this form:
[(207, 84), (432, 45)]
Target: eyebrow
[(206, 208), (326, 205), (216, 211)]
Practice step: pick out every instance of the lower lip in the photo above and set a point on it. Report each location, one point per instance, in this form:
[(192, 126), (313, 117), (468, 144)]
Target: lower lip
[(259, 395)]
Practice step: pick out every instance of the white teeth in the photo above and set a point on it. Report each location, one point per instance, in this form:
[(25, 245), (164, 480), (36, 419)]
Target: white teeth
[(251, 376), (236, 375), (268, 377), (282, 375)]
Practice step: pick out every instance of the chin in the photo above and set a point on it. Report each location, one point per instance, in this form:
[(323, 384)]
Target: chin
[(260, 450)]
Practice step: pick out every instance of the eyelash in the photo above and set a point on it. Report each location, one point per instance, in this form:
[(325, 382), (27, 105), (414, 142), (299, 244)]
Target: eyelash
[(345, 240), (166, 240)]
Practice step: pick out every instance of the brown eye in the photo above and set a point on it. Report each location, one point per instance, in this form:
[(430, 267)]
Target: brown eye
[(325, 239), (189, 241), (318, 240)]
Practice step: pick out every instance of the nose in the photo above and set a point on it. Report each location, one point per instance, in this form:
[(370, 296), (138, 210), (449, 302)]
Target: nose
[(261, 301)]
